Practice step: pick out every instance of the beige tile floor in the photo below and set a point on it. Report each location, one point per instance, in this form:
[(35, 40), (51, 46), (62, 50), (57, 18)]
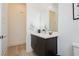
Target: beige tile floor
[(19, 50)]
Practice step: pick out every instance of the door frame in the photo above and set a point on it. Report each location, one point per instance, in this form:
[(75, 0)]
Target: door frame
[(0, 31), (3, 33)]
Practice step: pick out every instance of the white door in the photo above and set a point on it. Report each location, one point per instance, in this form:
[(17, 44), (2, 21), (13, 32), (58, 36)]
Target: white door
[(3, 28), (17, 24)]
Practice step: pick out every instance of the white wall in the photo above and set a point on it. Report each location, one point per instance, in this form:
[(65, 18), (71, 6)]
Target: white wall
[(68, 29), (17, 24)]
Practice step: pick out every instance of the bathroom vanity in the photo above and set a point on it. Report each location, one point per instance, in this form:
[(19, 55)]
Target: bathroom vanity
[(44, 44)]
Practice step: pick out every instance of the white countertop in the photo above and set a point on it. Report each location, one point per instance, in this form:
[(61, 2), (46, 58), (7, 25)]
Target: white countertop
[(45, 35)]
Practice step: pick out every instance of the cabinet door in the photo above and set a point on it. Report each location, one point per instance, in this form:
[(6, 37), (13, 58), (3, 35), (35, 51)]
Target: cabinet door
[(51, 46), (38, 45), (41, 46), (33, 41)]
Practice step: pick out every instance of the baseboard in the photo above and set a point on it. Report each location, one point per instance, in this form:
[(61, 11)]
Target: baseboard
[(12, 43), (16, 44)]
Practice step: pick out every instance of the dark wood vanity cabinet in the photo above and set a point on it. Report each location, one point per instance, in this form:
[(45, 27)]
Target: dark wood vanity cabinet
[(44, 47)]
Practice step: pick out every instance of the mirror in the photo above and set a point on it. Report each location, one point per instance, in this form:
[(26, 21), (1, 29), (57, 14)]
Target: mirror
[(52, 21), (48, 19), (43, 16)]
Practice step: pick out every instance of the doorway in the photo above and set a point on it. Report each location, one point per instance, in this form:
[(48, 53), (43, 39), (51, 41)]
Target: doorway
[(16, 29)]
